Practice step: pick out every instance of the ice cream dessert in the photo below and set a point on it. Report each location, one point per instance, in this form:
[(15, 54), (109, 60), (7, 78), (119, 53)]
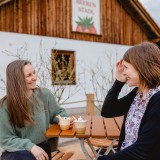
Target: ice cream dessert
[(80, 125), (64, 122)]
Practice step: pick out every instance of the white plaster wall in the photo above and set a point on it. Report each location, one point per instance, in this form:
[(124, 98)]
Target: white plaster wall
[(88, 54)]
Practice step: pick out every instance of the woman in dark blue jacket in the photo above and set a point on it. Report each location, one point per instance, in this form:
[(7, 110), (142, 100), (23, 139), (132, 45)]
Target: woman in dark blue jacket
[(140, 134)]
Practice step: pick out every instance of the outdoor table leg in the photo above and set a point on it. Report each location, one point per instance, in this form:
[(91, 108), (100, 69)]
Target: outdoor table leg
[(84, 149), (110, 146), (96, 155)]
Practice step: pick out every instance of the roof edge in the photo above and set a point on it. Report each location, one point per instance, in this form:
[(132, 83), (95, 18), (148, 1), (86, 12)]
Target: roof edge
[(135, 9), (2, 2)]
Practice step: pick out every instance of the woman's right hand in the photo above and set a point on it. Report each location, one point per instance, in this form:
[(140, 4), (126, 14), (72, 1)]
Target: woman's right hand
[(119, 71), (39, 153)]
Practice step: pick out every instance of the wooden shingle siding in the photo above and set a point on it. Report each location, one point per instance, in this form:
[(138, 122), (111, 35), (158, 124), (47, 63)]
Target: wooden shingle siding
[(54, 18)]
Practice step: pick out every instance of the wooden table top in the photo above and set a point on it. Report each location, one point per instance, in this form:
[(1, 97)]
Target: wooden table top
[(97, 127)]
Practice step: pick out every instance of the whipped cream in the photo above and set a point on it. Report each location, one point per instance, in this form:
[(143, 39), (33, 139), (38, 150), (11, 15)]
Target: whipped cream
[(80, 119)]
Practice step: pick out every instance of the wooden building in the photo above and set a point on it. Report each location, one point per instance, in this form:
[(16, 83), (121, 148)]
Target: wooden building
[(123, 22)]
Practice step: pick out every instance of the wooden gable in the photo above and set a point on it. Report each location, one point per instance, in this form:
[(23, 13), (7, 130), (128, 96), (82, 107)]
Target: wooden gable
[(2, 2), (54, 18)]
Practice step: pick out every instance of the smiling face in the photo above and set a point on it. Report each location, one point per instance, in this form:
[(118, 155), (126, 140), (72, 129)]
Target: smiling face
[(131, 75), (30, 77)]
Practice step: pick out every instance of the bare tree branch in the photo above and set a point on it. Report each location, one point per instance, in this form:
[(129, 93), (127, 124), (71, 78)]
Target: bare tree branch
[(43, 66)]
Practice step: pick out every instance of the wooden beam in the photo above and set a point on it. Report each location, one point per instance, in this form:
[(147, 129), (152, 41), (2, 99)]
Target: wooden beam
[(140, 15), (90, 104), (2, 2), (155, 40), (150, 22)]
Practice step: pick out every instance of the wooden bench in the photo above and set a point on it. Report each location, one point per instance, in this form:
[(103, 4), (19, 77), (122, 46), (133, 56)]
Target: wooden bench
[(97, 142), (104, 144), (61, 155)]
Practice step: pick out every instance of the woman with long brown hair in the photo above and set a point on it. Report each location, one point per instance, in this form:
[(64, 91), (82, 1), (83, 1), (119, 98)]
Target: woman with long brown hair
[(140, 133), (25, 114)]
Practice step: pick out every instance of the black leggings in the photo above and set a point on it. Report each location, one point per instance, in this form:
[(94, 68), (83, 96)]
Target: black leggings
[(26, 155), (18, 155), (46, 147)]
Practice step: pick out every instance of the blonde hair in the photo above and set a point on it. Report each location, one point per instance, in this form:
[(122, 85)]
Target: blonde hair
[(17, 100)]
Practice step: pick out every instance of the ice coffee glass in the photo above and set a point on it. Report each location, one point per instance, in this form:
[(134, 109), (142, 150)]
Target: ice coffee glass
[(80, 125), (64, 123)]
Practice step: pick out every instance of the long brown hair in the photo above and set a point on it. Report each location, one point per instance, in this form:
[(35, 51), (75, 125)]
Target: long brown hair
[(17, 100), (145, 58)]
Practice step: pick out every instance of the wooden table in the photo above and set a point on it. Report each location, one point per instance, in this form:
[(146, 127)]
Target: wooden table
[(97, 127)]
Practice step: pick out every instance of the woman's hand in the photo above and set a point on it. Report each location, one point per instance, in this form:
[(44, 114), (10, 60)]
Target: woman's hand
[(119, 71), (39, 153), (72, 121)]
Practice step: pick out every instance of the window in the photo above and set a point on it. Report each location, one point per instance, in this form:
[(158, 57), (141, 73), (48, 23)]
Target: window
[(63, 67)]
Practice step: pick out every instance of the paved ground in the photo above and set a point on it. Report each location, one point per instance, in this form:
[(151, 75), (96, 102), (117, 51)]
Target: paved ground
[(76, 148)]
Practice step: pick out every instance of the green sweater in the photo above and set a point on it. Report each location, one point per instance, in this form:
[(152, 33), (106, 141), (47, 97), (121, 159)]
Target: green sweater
[(13, 138)]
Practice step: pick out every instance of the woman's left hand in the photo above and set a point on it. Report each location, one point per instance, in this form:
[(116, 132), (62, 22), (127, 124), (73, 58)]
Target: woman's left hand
[(72, 121), (39, 153)]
